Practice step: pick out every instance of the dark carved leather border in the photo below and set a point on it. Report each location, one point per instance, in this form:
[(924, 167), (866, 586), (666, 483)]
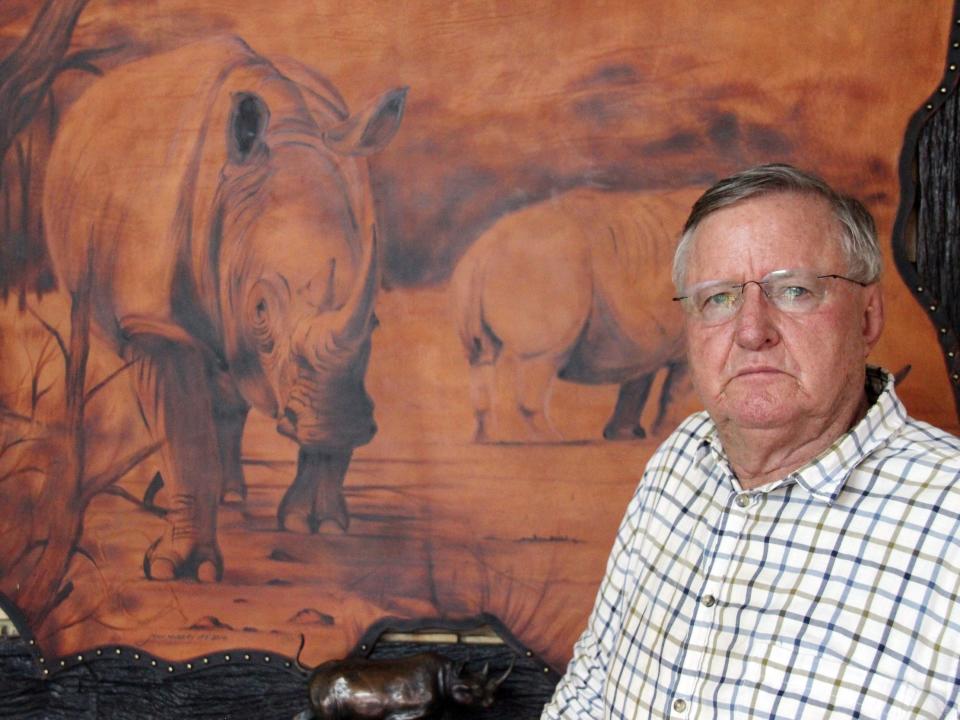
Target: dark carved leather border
[(368, 645), (918, 186), (125, 683)]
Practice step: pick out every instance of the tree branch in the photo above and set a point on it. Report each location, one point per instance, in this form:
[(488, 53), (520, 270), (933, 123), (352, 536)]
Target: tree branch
[(18, 441), (83, 59), (54, 332), (30, 469), (7, 414), (100, 482), (27, 73), (107, 379)]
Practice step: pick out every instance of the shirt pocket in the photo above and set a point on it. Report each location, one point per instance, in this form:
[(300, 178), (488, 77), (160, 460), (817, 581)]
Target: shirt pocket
[(839, 689)]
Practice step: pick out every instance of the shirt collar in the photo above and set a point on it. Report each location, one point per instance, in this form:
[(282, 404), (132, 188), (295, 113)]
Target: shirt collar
[(825, 475)]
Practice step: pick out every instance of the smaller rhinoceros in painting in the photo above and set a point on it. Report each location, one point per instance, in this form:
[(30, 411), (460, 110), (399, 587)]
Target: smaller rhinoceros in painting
[(578, 287)]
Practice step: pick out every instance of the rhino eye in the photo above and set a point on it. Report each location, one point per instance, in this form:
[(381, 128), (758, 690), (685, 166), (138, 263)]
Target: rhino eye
[(261, 329), (247, 125), (260, 323)]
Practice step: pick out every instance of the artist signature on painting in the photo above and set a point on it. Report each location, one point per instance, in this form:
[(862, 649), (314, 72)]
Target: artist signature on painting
[(186, 637)]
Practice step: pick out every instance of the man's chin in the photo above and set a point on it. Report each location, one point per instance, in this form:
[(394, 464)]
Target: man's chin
[(759, 421), (756, 410)]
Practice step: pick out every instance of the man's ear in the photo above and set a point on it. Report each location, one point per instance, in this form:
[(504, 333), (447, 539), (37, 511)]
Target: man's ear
[(872, 316)]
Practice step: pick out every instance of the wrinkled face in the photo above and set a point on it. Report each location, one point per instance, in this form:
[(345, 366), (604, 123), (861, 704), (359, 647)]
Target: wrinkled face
[(306, 299), (765, 368)]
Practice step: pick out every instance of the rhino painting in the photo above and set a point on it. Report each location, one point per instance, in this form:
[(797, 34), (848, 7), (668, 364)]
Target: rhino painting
[(219, 204), (577, 286)]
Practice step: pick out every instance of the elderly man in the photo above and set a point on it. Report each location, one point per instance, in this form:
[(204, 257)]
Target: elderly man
[(794, 551)]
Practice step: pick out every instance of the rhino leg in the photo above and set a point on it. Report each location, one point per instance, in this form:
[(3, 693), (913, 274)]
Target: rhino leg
[(176, 392), (534, 376), (229, 416), (624, 424), (676, 372), (316, 495), (482, 384)]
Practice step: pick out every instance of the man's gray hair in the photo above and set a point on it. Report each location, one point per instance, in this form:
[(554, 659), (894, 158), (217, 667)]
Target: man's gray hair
[(858, 236)]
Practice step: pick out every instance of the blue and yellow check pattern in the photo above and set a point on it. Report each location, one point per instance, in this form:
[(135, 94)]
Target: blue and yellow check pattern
[(832, 593)]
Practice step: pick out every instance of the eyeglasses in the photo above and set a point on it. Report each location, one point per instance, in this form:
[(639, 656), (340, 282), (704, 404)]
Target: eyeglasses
[(794, 291)]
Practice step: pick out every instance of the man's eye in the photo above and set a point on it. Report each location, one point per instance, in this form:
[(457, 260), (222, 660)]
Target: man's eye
[(724, 299), (795, 293)]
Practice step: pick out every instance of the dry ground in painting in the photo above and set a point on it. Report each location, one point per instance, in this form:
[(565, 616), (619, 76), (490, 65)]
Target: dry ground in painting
[(439, 525)]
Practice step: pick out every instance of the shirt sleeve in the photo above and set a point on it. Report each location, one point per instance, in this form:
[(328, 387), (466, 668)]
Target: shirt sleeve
[(579, 695)]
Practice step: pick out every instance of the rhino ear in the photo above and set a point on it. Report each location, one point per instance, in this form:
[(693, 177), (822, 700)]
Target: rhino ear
[(248, 122), (369, 130)]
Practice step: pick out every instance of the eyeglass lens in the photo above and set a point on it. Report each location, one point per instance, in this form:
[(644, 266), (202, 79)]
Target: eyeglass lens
[(793, 291)]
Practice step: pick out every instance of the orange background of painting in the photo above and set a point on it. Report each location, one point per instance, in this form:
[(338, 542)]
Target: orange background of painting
[(508, 102)]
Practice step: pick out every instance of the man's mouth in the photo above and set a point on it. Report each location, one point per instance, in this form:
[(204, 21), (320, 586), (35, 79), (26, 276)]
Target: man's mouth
[(758, 370)]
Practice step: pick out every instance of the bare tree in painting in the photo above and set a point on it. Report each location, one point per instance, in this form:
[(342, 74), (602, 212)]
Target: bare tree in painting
[(60, 457), (28, 120), (48, 455), (27, 74)]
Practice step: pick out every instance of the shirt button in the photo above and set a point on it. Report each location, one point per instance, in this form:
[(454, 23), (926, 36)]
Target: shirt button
[(743, 499), (679, 705), (709, 600)]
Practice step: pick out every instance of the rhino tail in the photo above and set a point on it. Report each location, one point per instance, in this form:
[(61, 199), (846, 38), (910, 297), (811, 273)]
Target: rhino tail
[(480, 343), (297, 661)]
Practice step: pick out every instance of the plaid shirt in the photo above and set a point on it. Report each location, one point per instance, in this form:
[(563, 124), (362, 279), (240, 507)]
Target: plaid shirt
[(832, 593)]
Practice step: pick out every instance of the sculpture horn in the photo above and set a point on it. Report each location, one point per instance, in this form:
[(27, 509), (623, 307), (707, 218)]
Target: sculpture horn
[(499, 680)]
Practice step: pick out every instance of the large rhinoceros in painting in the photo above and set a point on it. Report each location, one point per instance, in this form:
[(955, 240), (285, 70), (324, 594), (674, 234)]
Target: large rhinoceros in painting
[(219, 203), (577, 286)]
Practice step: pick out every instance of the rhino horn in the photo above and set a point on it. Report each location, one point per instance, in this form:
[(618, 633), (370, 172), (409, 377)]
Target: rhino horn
[(337, 335), (499, 680), (351, 325)]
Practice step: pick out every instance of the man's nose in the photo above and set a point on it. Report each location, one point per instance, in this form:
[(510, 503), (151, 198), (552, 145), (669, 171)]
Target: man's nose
[(755, 323)]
